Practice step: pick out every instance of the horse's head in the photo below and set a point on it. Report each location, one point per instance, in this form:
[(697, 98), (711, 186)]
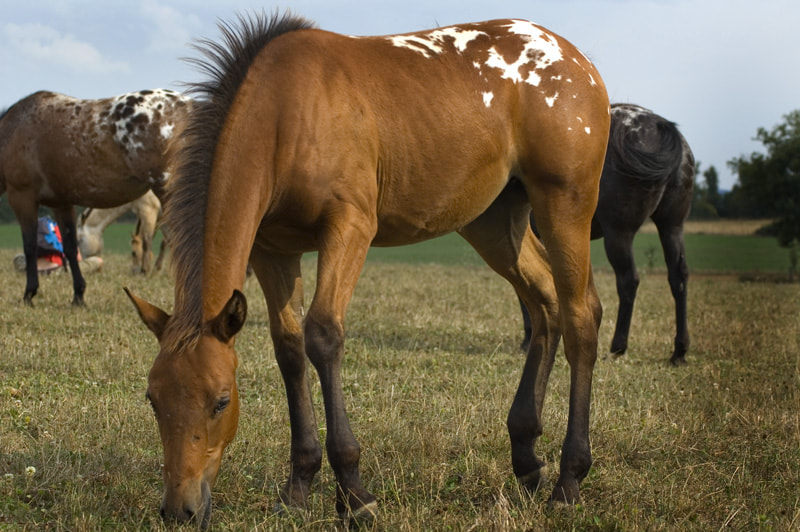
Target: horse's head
[(195, 400)]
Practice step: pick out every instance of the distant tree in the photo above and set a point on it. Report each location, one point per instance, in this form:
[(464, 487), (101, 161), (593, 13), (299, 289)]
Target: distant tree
[(702, 208), (712, 188), (772, 180)]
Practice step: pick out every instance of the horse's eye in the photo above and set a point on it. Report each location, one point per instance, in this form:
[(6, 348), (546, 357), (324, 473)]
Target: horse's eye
[(221, 405)]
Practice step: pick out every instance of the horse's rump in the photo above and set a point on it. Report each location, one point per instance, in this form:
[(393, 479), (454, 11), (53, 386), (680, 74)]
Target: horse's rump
[(643, 146)]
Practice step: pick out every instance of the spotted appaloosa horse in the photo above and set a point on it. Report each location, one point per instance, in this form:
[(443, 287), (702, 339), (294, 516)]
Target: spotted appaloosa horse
[(60, 151), (147, 208), (649, 172), (316, 141)]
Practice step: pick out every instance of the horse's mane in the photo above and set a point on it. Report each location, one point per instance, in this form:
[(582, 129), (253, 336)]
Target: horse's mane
[(654, 165), (226, 64)]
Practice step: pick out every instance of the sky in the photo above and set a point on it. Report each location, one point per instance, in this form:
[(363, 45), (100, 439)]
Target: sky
[(720, 69)]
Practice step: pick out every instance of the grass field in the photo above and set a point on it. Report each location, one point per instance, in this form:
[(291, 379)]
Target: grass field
[(727, 247), (431, 368)]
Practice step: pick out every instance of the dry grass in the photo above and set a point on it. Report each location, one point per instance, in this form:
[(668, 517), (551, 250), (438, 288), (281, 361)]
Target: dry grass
[(714, 227), (431, 367)]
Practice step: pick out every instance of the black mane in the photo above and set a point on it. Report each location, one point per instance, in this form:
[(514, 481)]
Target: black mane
[(226, 63)]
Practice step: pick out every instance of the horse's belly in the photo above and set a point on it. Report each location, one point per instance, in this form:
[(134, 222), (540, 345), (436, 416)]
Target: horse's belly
[(434, 211)]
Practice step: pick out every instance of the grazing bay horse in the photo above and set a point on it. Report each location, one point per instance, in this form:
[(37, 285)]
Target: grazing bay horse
[(147, 208), (60, 151), (308, 140), (649, 172)]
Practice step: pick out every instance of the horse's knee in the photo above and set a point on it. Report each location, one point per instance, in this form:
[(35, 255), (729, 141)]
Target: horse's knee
[(323, 340)]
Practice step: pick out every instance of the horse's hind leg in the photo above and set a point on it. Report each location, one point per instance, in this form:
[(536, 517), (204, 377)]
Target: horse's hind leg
[(65, 216), (564, 209), (502, 236), (280, 279), (619, 250), (678, 273)]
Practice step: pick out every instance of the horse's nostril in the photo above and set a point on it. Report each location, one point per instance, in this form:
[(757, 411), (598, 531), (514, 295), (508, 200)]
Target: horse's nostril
[(163, 513)]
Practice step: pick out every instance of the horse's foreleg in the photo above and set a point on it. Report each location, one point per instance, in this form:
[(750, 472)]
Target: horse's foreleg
[(678, 273), (281, 281), (65, 216), (26, 210), (343, 249), (619, 250), (501, 236), (30, 249)]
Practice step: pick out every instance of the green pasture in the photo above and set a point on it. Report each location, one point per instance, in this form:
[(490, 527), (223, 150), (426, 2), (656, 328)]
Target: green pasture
[(706, 253)]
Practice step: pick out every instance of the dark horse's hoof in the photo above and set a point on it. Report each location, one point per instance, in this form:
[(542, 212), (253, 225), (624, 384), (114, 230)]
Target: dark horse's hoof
[(678, 361), (77, 301), (534, 480), (567, 493)]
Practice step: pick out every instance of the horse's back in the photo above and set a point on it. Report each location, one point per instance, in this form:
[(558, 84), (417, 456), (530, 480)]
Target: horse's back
[(444, 116), (99, 153)]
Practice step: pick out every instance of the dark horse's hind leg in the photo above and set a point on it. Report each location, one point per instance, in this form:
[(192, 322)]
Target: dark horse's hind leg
[(65, 216), (678, 273), (619, 250), (520, 258)]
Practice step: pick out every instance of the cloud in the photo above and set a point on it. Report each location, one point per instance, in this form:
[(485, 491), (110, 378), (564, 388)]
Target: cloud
[(42, 43), (171, 29)]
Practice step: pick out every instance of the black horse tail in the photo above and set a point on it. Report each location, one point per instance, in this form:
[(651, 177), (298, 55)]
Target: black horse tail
[(650, 151)]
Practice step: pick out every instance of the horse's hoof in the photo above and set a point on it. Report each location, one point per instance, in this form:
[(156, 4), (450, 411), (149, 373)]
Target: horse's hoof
[(78, 301), (534, 480), (678, 361), (565, 494), (364, 516), (283, 509)]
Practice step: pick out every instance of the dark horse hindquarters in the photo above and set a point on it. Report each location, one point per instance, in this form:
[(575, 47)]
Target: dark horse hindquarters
[(648, 172)]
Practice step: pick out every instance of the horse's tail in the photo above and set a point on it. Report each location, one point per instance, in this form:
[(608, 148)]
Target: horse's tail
[(651, 165)]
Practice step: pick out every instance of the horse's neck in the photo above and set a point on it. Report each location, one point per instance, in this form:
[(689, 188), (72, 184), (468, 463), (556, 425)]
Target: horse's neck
[(233, 214)]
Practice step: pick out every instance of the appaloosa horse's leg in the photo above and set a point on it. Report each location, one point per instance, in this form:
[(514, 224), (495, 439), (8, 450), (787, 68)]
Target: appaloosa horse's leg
[(65, 216), (520, 258), (31, 249), (26, 210), (343, 248), (619, 250), (678, 273), (280, 279), (564, 222)]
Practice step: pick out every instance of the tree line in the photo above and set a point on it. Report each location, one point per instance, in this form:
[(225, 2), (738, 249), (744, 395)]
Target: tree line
[(768, 184)]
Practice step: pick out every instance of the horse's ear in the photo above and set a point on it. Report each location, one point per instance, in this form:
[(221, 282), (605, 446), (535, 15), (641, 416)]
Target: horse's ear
[(152, 316), (231, 319)]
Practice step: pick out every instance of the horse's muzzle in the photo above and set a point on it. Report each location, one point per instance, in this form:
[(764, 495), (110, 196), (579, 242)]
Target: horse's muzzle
[(186, 511)]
